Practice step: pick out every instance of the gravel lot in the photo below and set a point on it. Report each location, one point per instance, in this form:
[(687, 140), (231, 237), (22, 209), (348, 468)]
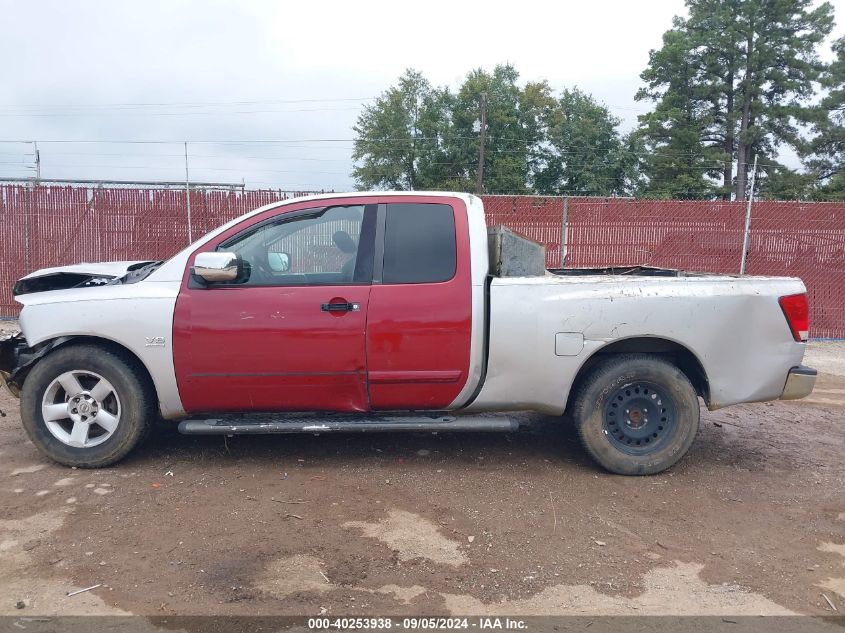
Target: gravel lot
[(752, 521)]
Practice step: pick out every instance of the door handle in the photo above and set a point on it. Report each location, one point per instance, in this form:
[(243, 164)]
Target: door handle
[(340, 307)]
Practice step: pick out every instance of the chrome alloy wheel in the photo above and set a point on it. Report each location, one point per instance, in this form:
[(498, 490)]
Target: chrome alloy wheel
[(81, 409)]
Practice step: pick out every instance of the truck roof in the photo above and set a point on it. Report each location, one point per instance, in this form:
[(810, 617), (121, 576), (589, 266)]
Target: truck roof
[(327, 196)]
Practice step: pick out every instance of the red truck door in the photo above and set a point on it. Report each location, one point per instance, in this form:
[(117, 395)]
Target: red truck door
[(289, 334), (420, 311)]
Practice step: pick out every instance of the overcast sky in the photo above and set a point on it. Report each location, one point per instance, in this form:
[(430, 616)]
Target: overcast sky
[(267, 92)]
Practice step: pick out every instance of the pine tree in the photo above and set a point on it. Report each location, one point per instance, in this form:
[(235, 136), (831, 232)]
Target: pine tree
[(746, 70), (826, 152), (680, 153)]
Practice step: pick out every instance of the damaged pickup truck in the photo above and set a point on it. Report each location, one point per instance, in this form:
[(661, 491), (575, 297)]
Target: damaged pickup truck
[(392, 312)]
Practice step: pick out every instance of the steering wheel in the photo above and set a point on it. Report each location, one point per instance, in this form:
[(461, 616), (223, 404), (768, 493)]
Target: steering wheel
[(259, 270)]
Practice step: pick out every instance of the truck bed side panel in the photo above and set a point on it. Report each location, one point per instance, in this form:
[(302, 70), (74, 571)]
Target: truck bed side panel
[(734, 326)]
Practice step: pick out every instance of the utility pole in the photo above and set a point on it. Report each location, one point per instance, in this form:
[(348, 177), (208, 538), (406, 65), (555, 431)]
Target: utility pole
[(27, 228), (37, 161), (483, 140), (747, 235), (188, 194)]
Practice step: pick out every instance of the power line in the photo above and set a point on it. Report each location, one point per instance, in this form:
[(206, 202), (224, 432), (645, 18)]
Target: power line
[(583, 150), (187, 104), (195, 167), (580, 151), (576, 161), (181, 141), (222, 104), (193, 155), (149, 114)]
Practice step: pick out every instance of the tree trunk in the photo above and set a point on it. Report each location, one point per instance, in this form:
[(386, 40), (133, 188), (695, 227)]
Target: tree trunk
[(742, 156), (744, 149), (728, 148)]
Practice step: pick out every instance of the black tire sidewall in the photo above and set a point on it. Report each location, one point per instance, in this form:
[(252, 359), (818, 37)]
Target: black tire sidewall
[(131, 388), (604, 381)]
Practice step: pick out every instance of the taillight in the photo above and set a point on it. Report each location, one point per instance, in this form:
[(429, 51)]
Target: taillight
[(796, 309)]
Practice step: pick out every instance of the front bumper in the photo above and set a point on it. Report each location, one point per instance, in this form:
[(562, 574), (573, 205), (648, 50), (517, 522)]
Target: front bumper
[(10, 349), (799, 383), (17, 358)]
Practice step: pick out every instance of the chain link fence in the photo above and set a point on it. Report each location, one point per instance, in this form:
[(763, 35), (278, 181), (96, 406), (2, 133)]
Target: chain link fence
[(54, 225), (795, 239), (51, 225)]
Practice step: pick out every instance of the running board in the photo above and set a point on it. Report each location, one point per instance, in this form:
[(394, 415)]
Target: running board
[(327, 423)]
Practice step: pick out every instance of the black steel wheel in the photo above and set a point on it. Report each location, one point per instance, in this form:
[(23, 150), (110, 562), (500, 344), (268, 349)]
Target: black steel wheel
[(639, 417), (636, 414)]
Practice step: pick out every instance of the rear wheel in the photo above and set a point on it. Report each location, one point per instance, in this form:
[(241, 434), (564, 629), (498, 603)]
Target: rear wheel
[(636, 414), (87, 406)]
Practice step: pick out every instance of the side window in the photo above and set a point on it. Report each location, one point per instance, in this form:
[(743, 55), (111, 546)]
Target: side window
[(419, 244), (322, 248)]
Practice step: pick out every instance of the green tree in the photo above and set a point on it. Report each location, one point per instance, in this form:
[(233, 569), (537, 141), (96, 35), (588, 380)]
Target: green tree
[(680, 158), (584, 153), (507, 146), (778, 182), (439, 166), (825, 155), (399, 138), (739, 74), (537, 104), (416, 136)]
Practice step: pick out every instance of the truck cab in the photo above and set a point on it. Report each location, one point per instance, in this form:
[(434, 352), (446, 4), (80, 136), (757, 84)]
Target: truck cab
[(353, 304)]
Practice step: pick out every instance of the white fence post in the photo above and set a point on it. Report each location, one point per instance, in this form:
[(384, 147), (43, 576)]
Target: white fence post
[(564, 232), (747, 235)]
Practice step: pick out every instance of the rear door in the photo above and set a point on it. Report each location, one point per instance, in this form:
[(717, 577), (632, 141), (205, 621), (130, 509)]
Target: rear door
[(420, 312)]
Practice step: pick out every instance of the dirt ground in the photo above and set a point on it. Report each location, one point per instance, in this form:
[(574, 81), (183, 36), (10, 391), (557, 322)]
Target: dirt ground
[(752, 521)]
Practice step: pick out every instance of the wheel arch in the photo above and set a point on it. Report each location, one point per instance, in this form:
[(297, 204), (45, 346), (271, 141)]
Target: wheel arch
[(45, 348), (677, 353)]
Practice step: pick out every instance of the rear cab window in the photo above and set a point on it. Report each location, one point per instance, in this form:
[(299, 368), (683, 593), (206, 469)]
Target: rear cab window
[(419, 243)]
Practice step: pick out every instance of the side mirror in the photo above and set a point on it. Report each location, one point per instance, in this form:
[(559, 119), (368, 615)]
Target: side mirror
[(278, 262), (213, 267)]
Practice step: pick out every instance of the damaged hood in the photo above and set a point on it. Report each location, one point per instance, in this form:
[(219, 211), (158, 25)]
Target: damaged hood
[(76, 276)]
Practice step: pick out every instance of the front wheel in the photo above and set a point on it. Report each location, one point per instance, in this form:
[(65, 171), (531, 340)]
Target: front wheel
[(636, 414), (87, 406)]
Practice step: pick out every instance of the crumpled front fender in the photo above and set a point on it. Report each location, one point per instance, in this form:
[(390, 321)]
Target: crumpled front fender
[(17, 358), (9, 353)]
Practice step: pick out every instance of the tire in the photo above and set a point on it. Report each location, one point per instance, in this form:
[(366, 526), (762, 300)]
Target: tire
[(107, 430), (636, 414)]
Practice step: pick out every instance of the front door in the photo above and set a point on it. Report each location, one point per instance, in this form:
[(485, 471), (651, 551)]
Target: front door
[(289, 333)]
